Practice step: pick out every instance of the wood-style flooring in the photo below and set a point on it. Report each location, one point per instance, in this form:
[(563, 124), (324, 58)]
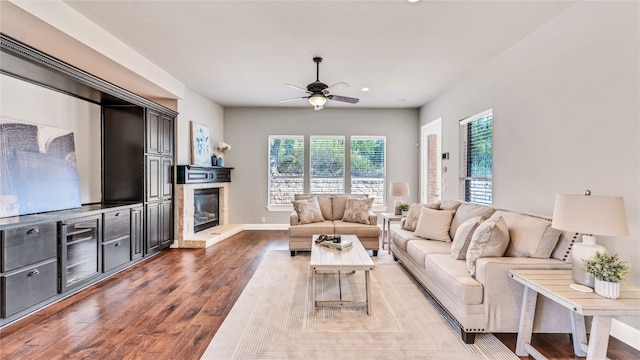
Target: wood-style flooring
[(170, 307)]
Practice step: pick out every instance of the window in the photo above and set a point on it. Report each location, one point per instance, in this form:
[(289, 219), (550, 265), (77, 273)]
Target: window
[(476, 139), (368, 167), (326, 164), (329, 169), (286, 168)]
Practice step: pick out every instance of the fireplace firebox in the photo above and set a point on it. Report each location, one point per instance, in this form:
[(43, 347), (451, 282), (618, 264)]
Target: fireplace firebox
[(206, 208)]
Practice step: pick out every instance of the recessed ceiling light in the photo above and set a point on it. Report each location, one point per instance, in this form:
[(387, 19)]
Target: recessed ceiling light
[(365, 89), (413, 1)]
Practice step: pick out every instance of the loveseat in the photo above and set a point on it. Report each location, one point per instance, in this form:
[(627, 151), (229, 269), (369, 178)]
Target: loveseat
[(461, 253), (344, 214)]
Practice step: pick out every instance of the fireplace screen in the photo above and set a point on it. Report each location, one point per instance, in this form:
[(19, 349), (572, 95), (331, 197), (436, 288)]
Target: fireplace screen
[(206, 208)]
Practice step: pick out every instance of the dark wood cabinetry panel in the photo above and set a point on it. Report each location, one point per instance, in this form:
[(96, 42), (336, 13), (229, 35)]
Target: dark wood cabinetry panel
[(80, 251), (166, 183), (153, 227), (153, 132), (166, 211), (116, 241), (154, 177), (166, 137)]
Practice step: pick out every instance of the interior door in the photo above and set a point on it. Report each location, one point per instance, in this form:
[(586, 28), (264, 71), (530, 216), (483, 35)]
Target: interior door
[(431, 161)]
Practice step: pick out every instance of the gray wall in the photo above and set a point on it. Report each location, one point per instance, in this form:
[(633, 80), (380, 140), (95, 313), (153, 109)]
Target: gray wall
[(247, 130), (566, 116)]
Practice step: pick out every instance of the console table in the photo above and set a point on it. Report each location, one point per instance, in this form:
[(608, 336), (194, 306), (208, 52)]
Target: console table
[(554, 284)]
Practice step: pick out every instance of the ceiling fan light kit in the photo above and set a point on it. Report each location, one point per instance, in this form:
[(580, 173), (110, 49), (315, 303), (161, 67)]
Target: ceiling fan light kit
[(319, 92)]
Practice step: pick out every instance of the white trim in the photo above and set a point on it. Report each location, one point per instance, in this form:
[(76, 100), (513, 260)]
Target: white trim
[(471, 118), (625, 333), (288, 208), (266, 226)]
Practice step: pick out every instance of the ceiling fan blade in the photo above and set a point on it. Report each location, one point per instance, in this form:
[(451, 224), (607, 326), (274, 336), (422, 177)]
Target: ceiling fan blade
[(334, 87), (346, 99), (292, 99), (297, 88)]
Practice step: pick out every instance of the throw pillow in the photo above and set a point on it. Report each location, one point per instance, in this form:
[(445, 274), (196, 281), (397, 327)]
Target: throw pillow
[(463, 238), (324, 201), (308, 211), (530, 236), (434, 224), (490, 239), (467, 211), (413, 215), (357, 210)]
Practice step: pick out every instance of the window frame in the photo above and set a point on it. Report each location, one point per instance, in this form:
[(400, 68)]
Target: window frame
[(466, 147), (283, 207)]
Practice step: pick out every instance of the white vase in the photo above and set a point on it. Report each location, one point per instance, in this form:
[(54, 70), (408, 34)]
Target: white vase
[(608, 289)]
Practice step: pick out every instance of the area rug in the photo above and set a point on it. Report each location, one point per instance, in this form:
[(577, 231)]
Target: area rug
[(273, 318)]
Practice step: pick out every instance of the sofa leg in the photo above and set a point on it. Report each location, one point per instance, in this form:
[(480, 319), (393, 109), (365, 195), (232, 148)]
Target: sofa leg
[(467, 337), (375, 252), (293, 253)]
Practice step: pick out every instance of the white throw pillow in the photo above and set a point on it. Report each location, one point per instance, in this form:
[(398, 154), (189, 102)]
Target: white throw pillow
[(490, 239), (413, 215), (357, 210), (463, 238), (434, 224), (308, 211)]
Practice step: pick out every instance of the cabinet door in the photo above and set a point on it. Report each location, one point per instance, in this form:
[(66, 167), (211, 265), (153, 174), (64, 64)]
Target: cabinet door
[(154, 178), (153, 227), (136, 233), (81, 251), (154, 132), (166, 210), (166, 185), (166, 136)]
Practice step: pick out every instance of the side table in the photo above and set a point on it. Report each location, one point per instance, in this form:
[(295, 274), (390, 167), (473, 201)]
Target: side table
[(554, 284), (387, 218)]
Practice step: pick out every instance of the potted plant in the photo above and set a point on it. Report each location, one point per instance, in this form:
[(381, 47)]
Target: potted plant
[(404, 207), (608, 271)]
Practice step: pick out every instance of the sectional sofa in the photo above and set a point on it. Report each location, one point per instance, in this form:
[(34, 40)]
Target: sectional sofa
[(461, 253)]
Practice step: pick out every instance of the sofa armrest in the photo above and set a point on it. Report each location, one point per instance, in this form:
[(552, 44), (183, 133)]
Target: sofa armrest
[(491, 270), (293, 218), (373, 218)]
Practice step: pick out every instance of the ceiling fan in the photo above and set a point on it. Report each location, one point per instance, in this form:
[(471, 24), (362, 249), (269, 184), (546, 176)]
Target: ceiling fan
[(319, 92)]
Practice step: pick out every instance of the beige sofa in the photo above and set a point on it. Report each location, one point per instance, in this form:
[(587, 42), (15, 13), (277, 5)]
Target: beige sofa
[(332, 207), (490, 301)]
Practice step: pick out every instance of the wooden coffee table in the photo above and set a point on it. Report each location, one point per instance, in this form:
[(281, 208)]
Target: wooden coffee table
[(354, 258)]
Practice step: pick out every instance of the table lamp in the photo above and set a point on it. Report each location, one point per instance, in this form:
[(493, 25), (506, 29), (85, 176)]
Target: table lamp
[(589, 215), (399, 189)]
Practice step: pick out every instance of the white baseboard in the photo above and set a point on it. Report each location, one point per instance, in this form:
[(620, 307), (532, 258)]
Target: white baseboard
[(266, 226), (625, 333)]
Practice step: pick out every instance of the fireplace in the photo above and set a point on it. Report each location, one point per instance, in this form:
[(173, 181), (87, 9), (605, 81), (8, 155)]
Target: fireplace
[(206, 208)]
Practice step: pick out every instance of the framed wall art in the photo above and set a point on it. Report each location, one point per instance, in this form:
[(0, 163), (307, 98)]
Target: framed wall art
[(200, 144)]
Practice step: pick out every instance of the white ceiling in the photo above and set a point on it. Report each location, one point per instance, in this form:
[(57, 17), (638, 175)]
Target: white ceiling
[(240, 53)]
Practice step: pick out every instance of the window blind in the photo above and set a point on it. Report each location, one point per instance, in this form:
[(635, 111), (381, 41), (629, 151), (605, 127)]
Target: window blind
[(476, 166), (368, 166), (326, 164), (286, 168)]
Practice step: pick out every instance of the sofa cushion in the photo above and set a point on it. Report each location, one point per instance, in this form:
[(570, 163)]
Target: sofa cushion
[(411, 221), (308, 210), (465, 212), (450, 204), (360, 230), (490, 239), (400, 238), (529, 236), (434, 224), (463, 238), (324, 200), (418, 249), (357, 210), (306, 230), (339, 202), (452, 276)]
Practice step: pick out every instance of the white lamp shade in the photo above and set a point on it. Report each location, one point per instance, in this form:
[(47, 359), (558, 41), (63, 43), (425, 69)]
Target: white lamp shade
[(590, 214), (399, 189), (317, 100)]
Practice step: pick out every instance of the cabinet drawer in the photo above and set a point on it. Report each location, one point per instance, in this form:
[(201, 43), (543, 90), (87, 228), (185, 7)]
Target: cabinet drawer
[(116, 224), (29, 287), (28, 245), (116, 253)]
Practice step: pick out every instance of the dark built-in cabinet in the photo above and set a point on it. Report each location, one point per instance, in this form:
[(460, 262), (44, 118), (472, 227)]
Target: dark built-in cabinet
[(46, 257)]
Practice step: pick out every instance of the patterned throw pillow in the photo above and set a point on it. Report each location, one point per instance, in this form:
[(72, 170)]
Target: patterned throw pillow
[(434, 224), (490, 239), (463, 238), (413, 214), (357, 210), (308, 211)]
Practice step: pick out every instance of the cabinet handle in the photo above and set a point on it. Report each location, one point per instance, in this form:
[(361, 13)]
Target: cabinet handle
[(33, 272), (33, 231), (117, 244), (117, 214)]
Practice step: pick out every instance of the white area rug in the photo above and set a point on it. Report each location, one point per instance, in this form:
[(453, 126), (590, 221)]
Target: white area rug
[(273, 318)]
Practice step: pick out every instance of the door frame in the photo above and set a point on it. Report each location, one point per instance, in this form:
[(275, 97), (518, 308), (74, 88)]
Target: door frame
[(433, 127)]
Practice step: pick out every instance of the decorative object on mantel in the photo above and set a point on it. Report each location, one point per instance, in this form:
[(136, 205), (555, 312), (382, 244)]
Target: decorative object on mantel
[(223, 147), (200, 144), (608, 271), (589, 215), (399, 189)]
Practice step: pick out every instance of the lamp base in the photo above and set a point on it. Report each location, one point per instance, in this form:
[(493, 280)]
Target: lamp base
[(396, 207), (584, 251)]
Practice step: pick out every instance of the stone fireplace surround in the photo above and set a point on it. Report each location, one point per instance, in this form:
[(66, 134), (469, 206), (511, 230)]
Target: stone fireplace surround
[(186, 237)]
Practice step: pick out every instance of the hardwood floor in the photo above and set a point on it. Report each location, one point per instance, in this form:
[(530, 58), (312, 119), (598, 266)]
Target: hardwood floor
[(170, 307)]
